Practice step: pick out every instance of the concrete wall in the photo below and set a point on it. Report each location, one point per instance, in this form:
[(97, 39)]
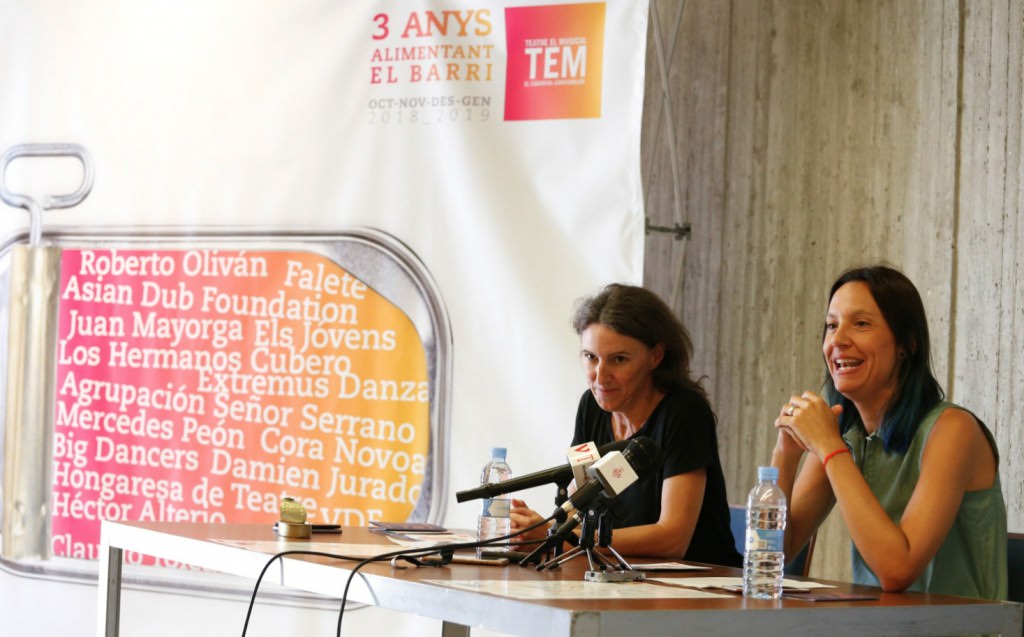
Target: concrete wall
[(800, 137)]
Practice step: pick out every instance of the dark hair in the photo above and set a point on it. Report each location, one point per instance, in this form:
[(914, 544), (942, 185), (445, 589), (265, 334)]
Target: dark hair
[(917, 391), (639, 313)]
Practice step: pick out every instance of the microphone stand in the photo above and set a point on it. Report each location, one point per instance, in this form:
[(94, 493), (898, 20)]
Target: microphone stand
[(551, 544), (602, 568)]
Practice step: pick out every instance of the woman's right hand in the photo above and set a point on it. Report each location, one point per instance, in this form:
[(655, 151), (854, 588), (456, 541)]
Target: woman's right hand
[(787, 444)]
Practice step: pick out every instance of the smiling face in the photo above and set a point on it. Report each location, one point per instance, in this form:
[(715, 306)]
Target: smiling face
[(618, 368), (860, 349)]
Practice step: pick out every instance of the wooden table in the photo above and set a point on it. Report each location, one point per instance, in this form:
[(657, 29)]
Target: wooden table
[(441, 593)]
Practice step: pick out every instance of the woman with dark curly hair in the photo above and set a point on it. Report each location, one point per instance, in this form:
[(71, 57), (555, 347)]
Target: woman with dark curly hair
[(636, 357)]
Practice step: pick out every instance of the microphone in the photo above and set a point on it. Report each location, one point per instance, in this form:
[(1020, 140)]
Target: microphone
[(562, 474), (614, 473)]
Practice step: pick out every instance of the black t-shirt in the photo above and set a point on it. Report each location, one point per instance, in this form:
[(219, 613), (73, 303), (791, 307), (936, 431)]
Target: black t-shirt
[(683, 426)]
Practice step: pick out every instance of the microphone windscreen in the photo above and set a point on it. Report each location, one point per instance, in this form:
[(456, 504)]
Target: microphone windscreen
[(644, 455), (618, 445)]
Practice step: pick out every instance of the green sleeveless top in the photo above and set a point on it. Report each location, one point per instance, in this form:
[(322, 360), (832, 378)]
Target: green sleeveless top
[(971, 561)]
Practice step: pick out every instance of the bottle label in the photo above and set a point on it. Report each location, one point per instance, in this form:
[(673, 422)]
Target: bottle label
[(497, 507), (765, 540)]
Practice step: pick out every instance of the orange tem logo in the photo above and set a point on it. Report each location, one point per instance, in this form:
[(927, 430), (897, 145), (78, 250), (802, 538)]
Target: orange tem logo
[(555, 56)]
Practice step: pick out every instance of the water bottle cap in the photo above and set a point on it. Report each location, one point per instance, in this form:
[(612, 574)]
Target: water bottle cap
[(767, 473), (498, 452)]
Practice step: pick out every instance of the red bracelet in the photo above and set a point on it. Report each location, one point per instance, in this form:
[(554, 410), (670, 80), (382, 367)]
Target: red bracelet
[(824, 463)]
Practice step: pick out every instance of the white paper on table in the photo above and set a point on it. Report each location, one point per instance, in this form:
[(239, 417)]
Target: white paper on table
[(670, 566), (735, 582), (576, 589), (359, 551), (427, 540)]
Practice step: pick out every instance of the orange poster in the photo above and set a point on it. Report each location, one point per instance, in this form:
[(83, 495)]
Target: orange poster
[(206, 385)]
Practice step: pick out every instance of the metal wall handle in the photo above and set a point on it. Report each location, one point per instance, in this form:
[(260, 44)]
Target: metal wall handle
[(35, 208)]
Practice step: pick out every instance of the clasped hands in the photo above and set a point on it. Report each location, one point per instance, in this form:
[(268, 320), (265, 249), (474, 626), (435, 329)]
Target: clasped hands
[(806, 423)]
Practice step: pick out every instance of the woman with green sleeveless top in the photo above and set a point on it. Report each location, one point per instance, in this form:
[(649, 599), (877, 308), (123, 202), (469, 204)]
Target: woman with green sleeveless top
[(916, 478)]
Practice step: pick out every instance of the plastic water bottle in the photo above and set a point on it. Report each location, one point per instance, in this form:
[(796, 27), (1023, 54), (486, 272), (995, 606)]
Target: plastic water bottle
[(494, 514), (763, 558)]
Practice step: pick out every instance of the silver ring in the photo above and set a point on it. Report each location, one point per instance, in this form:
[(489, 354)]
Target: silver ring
[(790, 409)]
